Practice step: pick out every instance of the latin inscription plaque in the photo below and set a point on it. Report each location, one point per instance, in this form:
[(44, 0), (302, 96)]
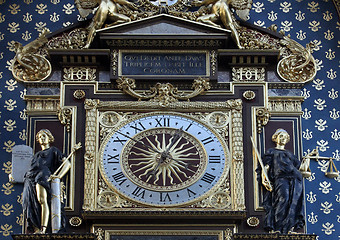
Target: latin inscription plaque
[(160, 63)]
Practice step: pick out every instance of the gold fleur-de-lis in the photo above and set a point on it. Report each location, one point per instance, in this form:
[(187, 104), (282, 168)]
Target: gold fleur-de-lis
[(272, 16), (331, 74), (313, 7), (11, 46), (23, 114), (330, 55), (317, 45), (27, 18), (10, 125), (19, 198), (6, 230), (329, 35), (54, 17), (327, 16), (7, 167), (26, 36), (10, 104), (41, 8), (2, 18), (7, 209), (28, 1), (55, 2), (7, 188), (13, 27), (9, 146), (300, 16), (314, 26), (11, 85), (23, 93), (23, 135), (20, 219), (14, 8), (40, 26)]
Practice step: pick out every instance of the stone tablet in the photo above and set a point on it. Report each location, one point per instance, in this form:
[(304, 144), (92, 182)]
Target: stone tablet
[(21, 161)]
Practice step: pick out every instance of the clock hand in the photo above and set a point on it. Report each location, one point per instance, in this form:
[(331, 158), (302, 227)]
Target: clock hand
[(143, 144), (176, 137)]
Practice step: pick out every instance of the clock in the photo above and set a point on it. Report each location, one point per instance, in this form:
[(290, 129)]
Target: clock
[(162, 159)]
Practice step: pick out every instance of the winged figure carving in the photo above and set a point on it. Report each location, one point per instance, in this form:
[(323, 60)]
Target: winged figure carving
[(220, 12), (104, 10)]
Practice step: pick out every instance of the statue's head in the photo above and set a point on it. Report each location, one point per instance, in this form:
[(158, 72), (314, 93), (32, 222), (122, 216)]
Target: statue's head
[(46, 134), (281, 137)]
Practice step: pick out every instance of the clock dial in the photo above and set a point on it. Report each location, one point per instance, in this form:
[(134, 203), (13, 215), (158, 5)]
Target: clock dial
[(162, 159)]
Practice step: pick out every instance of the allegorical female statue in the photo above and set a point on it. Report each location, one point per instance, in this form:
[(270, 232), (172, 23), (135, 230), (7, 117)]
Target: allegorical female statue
[(284, 204), (37, 186)]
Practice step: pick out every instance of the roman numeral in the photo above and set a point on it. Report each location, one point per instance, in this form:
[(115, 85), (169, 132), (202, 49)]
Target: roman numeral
[(188, 127), (214, 159), (139, 192), (119, 178), (190, 192), (164, 197), (162, 122), (207, 140), (113, 159), (207, 177), (138, 127), (122, 141)]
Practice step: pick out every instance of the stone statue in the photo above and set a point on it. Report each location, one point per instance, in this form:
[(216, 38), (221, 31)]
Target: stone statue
[(37, 186), (220, 13), (284, 204), (106, 10)]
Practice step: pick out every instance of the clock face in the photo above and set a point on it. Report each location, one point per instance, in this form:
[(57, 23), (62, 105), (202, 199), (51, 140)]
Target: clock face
[(162, 159)]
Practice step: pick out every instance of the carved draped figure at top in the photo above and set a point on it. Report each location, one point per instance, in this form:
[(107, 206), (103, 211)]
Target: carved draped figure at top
[(106, 10), (284, 204), (37, 183), (221, 13)]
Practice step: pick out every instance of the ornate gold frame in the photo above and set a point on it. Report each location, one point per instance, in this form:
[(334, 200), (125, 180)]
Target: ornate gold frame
[(92, 137)]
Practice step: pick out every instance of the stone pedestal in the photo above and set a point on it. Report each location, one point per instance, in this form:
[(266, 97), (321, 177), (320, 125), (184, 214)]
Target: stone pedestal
[(70, 236), (275, 236)]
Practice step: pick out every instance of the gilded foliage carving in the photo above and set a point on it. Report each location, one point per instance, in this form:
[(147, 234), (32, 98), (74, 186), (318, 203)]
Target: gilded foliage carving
[(163, 93)]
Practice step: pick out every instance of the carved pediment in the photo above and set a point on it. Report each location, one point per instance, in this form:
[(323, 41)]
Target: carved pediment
[(163, 24)]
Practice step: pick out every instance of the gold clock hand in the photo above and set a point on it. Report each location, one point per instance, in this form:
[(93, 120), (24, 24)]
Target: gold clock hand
[(176, 137), (143, 144)]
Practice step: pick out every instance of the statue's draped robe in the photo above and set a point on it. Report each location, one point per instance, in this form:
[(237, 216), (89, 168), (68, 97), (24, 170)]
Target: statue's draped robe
[(284, 205), (43, 164)]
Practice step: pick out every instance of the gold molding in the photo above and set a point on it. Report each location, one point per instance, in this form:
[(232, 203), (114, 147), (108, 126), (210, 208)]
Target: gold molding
[(248, 74), (262, 118), (38, 104), (65, 116), (222, 231), (285, 105), (80, 74), (163, 93)]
